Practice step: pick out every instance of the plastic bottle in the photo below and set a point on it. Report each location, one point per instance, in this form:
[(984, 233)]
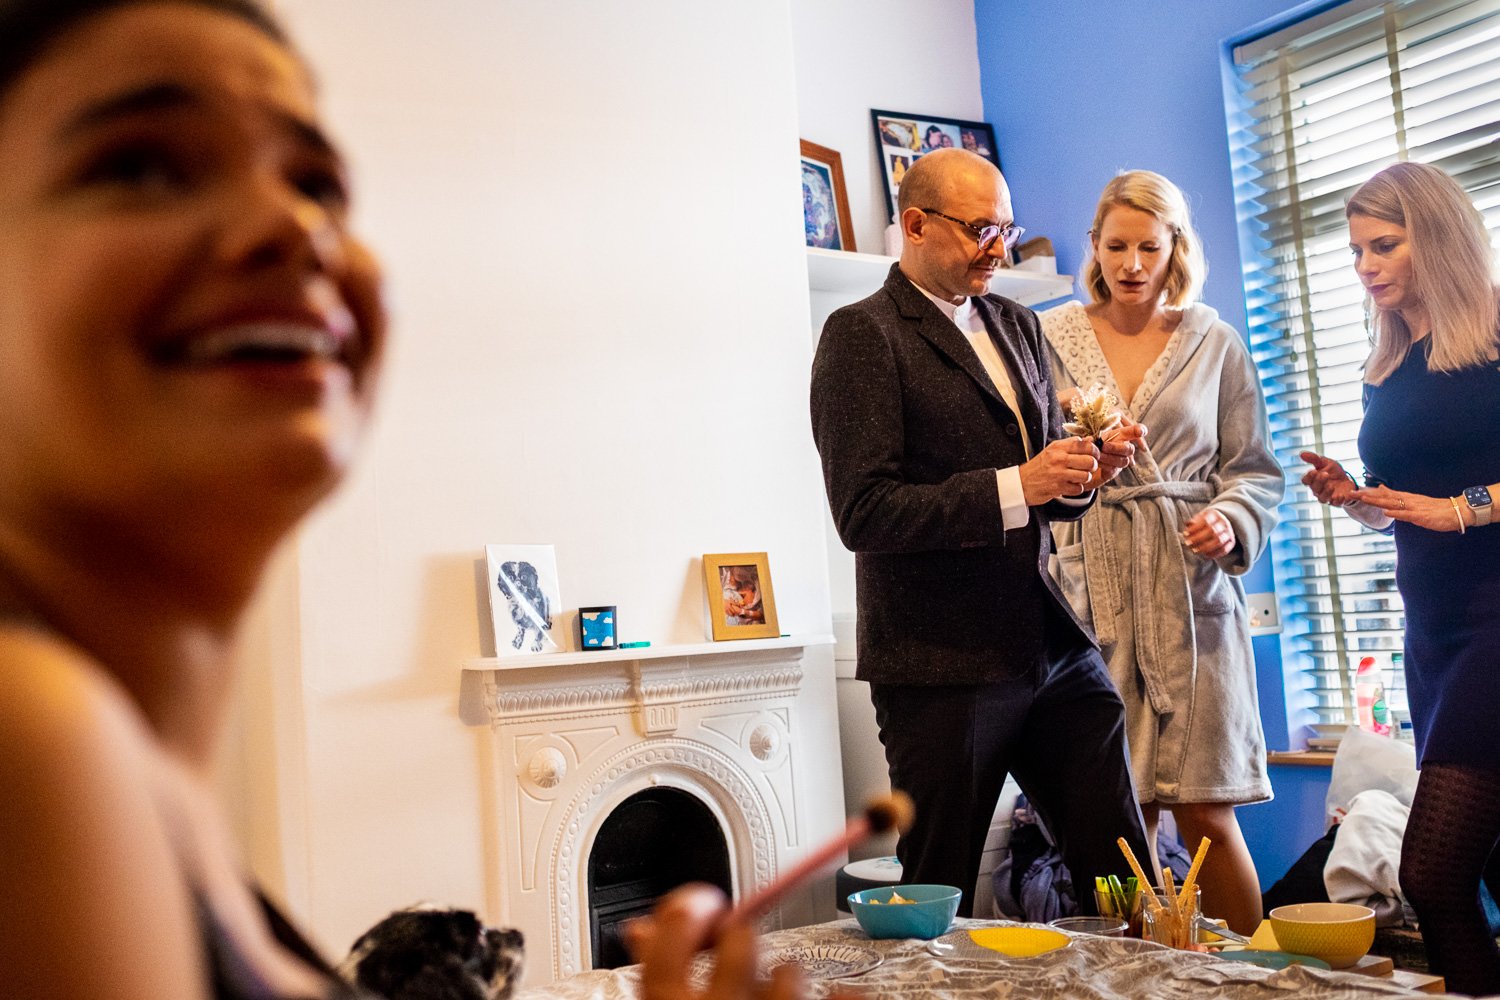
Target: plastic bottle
[(1400, 722), (1365, 682), (1380, 712), (1369, 697)]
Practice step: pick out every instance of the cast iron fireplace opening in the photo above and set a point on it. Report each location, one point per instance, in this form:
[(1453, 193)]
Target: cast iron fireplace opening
[(653, 842)]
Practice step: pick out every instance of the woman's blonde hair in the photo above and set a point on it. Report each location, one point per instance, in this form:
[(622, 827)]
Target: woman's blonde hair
[(1452, 269), (1153, 194)]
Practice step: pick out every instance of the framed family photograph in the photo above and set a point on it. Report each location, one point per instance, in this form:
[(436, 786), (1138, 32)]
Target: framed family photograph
[(740, 602), (524, 598), (901, 139), (825, 199)]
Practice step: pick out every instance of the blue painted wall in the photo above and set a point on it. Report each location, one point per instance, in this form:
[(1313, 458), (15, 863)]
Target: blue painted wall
[(1077, 92), (1280, 830)]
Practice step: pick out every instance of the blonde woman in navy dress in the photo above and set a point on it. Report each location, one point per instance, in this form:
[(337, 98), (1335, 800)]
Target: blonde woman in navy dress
[(1428, 443)]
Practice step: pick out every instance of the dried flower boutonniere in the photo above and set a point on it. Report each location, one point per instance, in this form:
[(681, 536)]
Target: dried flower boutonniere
[(1096, 413)]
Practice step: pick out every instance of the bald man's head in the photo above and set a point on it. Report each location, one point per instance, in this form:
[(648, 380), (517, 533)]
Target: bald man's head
[(949, 199), (934, 176)]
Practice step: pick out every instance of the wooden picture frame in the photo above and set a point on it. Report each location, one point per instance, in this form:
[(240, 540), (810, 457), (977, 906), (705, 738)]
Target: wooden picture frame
[(741, 604), (825, 199), (901, 139)]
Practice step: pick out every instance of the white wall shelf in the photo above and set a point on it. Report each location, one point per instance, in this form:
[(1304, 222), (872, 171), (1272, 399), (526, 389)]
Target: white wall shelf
[(693, 649), (852, 276)]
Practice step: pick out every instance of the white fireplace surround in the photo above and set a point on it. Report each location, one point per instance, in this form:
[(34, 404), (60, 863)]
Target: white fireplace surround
[(576, 734)]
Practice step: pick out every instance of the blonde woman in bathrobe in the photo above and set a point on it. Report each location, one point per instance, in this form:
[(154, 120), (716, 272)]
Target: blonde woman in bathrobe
[(1154, 566)]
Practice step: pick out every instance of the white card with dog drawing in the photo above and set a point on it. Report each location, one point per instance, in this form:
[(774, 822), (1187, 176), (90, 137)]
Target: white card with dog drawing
[(524, 599)]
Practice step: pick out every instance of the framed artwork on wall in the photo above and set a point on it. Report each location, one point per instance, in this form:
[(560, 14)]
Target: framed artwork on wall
[(901, 139), (598, 628), (740, 601), (825, 199), (524, 598)]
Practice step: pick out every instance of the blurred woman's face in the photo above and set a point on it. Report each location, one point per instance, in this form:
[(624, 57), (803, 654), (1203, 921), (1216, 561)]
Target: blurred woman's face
[(1382, 259), (1134, 249), (184, 311)]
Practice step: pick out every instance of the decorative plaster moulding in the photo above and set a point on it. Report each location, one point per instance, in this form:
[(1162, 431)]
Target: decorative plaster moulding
[(474, 692)]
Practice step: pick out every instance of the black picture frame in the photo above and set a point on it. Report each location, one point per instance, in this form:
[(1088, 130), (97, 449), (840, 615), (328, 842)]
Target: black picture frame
[(902, 138), (599, 627)]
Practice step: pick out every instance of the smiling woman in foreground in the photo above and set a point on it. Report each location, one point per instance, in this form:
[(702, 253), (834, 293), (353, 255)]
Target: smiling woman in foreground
[(191, 336)]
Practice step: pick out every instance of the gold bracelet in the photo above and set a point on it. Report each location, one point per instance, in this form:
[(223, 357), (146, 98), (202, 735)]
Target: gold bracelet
[(1458, 514)]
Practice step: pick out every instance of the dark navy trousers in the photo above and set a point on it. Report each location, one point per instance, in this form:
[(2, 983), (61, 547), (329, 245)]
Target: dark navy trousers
[(1060, 730)]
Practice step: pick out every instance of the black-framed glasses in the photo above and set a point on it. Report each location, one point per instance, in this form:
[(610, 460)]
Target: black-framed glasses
[(1008, 235)]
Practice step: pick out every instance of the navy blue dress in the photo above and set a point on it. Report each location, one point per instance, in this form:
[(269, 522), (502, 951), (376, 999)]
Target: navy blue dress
[(1435, 433)]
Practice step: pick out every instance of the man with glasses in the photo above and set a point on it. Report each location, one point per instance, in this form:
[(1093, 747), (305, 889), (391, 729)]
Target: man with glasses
[(945, 460)]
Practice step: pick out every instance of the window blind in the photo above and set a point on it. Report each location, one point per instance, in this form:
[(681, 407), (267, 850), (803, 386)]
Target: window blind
[(1316, 108)]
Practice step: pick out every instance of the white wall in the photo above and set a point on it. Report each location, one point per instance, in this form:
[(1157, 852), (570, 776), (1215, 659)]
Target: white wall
[(590, 218), (854, 55), (896, 55)]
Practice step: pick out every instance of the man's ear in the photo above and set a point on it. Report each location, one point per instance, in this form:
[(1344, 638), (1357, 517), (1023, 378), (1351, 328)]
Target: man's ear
[(913, 225)]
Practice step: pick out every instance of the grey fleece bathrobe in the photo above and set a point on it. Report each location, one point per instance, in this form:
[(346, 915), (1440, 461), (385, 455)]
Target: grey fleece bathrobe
[(1172, 625)]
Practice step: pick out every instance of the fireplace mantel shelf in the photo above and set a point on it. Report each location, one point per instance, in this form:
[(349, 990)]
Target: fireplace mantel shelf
[(693, 649), (526, 672)]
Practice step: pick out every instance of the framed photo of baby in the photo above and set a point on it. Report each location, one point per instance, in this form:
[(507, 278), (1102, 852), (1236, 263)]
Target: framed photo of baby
[(903, 138), (740, 601), (825, 199)]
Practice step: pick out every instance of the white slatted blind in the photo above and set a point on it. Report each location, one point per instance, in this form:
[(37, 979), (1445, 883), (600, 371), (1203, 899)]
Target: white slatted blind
[(1323, 104)]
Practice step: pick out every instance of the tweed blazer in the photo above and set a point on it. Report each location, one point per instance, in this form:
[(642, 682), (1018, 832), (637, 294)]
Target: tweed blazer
[(910, 429)]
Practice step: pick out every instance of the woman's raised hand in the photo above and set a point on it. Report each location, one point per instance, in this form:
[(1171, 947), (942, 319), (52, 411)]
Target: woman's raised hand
[(1328, 480)]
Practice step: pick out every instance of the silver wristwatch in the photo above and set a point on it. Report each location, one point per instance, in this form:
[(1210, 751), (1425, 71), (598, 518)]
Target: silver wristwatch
[(1478, 499)]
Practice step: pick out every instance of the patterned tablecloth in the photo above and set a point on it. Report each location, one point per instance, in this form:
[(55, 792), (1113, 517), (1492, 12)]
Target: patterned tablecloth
[(1090, 968)]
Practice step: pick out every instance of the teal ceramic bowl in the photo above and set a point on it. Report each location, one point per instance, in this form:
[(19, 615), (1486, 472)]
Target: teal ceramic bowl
[(929, 914)]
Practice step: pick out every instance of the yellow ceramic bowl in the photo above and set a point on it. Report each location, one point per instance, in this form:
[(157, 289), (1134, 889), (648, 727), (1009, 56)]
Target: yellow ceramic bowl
[(1338, 933)]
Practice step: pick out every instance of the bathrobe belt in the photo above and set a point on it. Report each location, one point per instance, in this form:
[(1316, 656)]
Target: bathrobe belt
[(1161, 606)]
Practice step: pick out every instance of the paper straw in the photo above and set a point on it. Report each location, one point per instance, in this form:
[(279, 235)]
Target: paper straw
[(1192, 875), (1170, 888), (1145, 882)]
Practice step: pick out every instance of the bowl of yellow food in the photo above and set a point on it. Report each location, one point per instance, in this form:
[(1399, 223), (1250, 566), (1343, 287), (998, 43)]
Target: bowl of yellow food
[(905, 911), (1338, 933)]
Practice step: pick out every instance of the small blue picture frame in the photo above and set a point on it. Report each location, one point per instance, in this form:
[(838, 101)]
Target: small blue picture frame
[(598, 628)]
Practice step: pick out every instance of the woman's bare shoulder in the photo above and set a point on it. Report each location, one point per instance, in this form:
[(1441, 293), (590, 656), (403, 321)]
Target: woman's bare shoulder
[(55, 701), (90, 856)]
